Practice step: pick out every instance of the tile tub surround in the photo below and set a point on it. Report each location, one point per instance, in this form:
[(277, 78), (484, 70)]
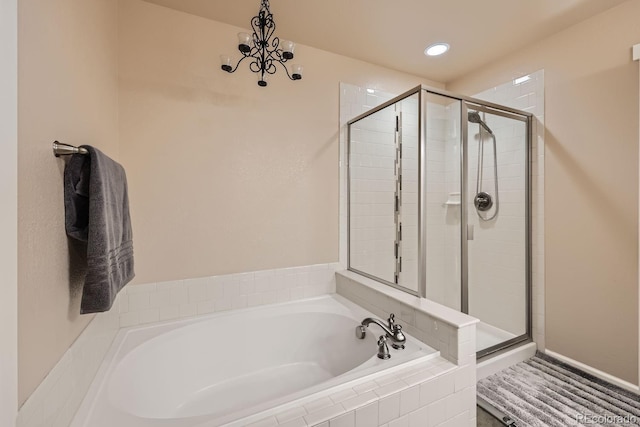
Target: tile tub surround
[(153, 302), (58, 397), (438, 326), (431, 393), (55, 401)]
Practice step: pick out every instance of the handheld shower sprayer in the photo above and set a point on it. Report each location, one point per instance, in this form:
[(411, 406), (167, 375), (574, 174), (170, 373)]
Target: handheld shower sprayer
[(483, 201), (474, 117)]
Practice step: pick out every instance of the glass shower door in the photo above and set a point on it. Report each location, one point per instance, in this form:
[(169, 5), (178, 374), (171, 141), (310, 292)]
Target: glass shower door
[(497, 224)]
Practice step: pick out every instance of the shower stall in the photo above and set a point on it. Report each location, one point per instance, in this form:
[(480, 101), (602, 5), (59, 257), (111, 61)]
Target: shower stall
[(439, 203)]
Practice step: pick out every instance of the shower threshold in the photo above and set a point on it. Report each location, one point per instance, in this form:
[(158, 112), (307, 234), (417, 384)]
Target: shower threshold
[(488, 336)]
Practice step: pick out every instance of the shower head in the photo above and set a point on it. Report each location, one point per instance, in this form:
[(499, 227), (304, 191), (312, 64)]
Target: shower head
[(474, 117)]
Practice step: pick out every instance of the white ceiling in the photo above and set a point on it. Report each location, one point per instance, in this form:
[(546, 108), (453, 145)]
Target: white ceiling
[(394, 33)]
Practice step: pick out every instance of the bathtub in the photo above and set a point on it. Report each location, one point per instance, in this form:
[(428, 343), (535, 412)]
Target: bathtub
[(235, 367)]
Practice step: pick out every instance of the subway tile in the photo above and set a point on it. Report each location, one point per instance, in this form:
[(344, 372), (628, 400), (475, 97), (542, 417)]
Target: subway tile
[(318, 404), (297, 412), (138, 301), (283, 295), (343, 395), (129, 319), (455, 404), (390, 388), (240, 301), (161, 298), (400, 422), (206, 307), (169, 313), (267, 422), (389, 408), (196, 290), (188, 310), (215, 288), (464, 377), (360, 400), (296, 294), (344, 420), (367, 416), (386, 379), (296, 422), (437, 412), (461, 420), (123, 303), (254, 300), (324, 414), (224, 304), (409, 400), (150, 315), (419, 418), (141, 289)]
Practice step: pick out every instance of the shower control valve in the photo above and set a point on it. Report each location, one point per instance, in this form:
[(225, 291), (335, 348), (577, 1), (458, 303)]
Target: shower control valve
[(483, 201)]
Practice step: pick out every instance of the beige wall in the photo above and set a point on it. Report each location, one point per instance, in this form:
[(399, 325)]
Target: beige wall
[(226, 176), (221, 172), (591, 202), (68, 90), (8, 212)]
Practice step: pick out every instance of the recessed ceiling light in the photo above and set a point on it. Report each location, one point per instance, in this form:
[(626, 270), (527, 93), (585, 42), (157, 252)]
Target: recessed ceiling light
[(436, 49)]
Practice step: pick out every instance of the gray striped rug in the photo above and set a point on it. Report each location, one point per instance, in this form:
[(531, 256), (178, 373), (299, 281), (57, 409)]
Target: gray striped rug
[(543, 391)]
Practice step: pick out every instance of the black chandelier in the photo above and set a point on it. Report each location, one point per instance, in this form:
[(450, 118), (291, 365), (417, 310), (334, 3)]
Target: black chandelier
[(264, 50)]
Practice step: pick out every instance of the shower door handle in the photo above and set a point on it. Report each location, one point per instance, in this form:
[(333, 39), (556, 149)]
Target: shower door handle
[(469, 231)]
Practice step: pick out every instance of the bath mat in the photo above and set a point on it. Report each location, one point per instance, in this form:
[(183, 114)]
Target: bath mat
[(543, 391)]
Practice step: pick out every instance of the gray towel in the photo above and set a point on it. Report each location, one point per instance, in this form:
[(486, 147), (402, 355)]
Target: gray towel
[(97, 212)]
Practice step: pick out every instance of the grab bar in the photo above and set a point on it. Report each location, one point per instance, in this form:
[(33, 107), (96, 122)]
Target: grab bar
[(60, 149)]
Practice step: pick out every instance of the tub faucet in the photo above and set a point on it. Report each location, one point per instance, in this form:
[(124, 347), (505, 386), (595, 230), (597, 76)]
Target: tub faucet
[(392, 330)]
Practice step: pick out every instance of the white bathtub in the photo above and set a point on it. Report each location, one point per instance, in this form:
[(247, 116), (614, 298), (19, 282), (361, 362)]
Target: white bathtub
[(235, 367)]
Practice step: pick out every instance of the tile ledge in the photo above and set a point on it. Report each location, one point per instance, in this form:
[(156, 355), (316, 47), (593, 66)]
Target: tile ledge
[(439, 311)]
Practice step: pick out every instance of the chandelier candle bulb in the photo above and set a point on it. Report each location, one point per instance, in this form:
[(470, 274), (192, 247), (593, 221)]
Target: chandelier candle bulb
[(244, 41), (297, 72), (225, 61), (287, 49)]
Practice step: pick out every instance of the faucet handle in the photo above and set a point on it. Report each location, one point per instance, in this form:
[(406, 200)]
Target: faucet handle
[(383, 349), (392, 321)]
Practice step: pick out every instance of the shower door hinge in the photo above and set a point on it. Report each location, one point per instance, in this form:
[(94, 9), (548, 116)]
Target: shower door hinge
[(396, 250), (397, 124)]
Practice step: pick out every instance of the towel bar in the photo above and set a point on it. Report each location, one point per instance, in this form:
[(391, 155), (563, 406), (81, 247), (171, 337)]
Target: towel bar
[(60, 149)]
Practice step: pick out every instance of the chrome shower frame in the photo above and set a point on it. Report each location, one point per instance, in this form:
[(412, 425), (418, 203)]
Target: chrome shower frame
[(466, 103)]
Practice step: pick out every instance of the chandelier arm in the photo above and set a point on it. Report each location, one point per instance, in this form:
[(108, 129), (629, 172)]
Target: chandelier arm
[(238, 64), (286, 70), (269, 66)]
